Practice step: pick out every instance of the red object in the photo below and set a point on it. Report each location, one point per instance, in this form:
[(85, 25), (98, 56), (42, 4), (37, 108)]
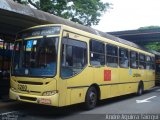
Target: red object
[(44, 101), (107, 75)]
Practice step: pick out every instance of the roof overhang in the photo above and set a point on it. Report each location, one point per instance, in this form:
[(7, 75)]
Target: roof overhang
[(139, 36), (15, 17)]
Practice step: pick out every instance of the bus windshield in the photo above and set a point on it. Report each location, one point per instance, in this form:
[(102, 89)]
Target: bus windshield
[(35, 57)]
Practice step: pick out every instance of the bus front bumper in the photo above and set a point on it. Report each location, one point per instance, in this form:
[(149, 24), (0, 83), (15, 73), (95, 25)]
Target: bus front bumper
[(45, 100)]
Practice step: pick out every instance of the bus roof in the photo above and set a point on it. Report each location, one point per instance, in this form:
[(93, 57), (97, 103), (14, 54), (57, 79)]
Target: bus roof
[(99, 33), (111, 37)]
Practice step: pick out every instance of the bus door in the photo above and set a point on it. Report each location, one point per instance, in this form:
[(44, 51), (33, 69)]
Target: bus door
[(75, 75)]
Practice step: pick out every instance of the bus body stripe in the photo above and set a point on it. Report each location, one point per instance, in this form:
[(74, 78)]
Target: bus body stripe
[(72, 87)]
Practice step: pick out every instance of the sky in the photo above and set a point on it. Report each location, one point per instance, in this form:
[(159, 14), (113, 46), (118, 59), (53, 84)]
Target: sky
[(129, 15)]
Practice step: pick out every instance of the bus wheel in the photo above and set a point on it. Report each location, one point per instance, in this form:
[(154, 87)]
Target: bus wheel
[(140, 89), (91, 98)]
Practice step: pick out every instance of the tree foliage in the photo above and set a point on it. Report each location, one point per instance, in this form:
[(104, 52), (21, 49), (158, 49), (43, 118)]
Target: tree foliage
[(148, 27), (153, 46), (86, 12)]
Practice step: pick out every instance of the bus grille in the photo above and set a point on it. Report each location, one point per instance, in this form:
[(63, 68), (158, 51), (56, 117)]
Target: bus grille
[(31, 83), (28, 98)]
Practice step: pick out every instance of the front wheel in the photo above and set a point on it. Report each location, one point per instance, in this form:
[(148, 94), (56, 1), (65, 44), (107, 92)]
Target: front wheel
[(91, 98)]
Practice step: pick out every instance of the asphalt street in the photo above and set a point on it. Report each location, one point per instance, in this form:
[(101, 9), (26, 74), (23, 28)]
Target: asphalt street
[(145, 105)]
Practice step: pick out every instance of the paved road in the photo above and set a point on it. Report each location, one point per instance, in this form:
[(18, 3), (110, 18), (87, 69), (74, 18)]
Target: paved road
[(148, 103)]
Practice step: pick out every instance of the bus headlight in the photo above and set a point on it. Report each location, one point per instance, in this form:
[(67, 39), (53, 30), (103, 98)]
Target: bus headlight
[(13, 89), (49, 93)]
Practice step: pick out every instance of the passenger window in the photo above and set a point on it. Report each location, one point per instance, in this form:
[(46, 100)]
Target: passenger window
[(74, 57), (142, 63), (123, 58), (112, 55), (97, 55), (148, 63), (152, 63), (133, 59)]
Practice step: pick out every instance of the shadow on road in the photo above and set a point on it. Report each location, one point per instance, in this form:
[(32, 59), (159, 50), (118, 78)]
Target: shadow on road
[(125, 97), (49, 112)]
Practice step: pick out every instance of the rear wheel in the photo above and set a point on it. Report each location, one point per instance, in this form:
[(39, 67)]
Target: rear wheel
[(140, 89), (91, 98)]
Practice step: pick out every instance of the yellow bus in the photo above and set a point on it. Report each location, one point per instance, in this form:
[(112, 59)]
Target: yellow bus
[(157, 71), (59, 65)]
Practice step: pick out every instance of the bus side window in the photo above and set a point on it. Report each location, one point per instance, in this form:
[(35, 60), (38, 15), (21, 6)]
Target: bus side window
[(133, 59), (123, 58), (73, 58), (97, 53), (142, 63), (148, 63), (153, 63), (112, 55)]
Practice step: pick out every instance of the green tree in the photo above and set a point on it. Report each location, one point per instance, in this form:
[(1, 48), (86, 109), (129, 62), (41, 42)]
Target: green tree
[(148, 27), (86, 12), (151, 45)]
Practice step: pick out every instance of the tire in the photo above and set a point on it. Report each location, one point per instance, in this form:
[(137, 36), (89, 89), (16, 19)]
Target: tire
[(140, 89), (91, 98)]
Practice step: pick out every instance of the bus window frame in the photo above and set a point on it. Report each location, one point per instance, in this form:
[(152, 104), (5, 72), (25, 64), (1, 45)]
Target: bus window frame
[(151, 65), (141, 61), (61, 53), (112, 55), (92, 52), (128, 57), (37, 37), (137, 59)]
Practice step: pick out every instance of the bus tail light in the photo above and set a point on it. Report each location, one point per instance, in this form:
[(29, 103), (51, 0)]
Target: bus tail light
[(49, 93)]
